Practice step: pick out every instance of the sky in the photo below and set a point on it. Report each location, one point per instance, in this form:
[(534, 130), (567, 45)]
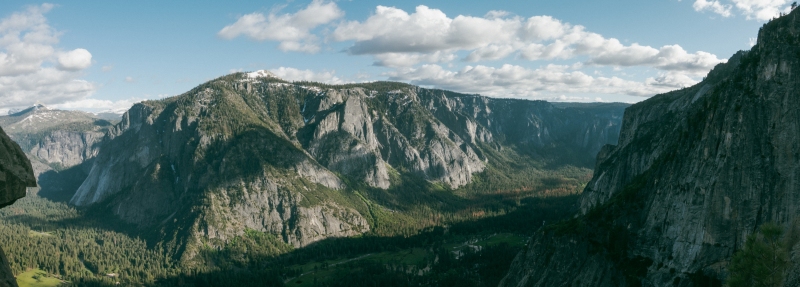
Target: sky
[(106, 55)]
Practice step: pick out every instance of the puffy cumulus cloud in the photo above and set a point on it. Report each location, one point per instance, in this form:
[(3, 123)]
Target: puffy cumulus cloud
[(713, 6), (667, 58), (293, 31), (392, 30), (32, 68), (47, 86), (293, 74), (761, 10), (549, 82), (74, 60), (398, 38)]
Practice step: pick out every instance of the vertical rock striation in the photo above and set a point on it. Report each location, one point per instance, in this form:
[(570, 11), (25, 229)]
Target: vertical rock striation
[(694, 173)]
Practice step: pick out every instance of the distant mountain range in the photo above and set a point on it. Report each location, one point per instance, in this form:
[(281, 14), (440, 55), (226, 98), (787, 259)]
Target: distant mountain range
[(55, 141)]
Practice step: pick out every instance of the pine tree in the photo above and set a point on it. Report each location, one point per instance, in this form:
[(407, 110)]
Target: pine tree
[(763, 261)]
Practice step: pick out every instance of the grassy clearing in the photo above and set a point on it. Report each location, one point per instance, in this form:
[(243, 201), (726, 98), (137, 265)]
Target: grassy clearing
[(37, 278)]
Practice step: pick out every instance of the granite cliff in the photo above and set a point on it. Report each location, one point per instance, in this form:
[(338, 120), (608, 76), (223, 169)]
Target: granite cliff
[(16, 175), (249, 151), (694, 173)]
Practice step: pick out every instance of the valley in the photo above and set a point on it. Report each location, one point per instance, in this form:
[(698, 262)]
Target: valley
[(327, 143), (440, 189)]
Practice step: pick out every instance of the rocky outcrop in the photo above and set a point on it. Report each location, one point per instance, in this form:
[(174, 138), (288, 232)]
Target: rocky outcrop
[(694, 173), (16, 175)]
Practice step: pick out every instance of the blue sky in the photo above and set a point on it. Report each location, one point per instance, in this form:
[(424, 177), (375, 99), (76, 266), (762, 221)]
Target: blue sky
[(106, 55)]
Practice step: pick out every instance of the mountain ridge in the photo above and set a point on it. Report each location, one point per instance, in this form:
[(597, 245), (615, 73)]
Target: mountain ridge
[(307, 161)]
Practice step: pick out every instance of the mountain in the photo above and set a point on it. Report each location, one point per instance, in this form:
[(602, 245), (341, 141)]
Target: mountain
[(60, 145), (307, 161), (16, 175), (695, 172)]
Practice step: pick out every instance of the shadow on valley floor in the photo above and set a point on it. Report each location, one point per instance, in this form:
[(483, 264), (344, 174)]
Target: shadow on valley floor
[(60, 185), (380, 268)]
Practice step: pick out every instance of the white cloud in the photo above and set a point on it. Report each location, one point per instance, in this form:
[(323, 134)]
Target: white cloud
[(410, 59), (98, 106), (293, 74), (129, 79), (667, 58), (543, 83), (74, 60), (32, 68), (761, 10), (399, 39), (713, 6), (571, 99), (420, 43), (293, 31), (427, 30), (490, 52)]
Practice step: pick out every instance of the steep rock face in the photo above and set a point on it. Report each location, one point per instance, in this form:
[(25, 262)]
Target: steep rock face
[(16, 175), (215, 159), (249, 151), (67, 148), (54, 137), (695, 172), (58, 143)]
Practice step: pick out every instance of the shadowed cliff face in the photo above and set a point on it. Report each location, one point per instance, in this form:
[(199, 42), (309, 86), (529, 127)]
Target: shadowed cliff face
[(695, 171), (16, 175)]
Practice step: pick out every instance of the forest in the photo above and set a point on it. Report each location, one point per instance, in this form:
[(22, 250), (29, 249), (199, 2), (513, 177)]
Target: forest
[(468, 239)]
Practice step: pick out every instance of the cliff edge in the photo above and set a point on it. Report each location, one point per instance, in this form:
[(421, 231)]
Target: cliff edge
[(16, 175), (694, 173)]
